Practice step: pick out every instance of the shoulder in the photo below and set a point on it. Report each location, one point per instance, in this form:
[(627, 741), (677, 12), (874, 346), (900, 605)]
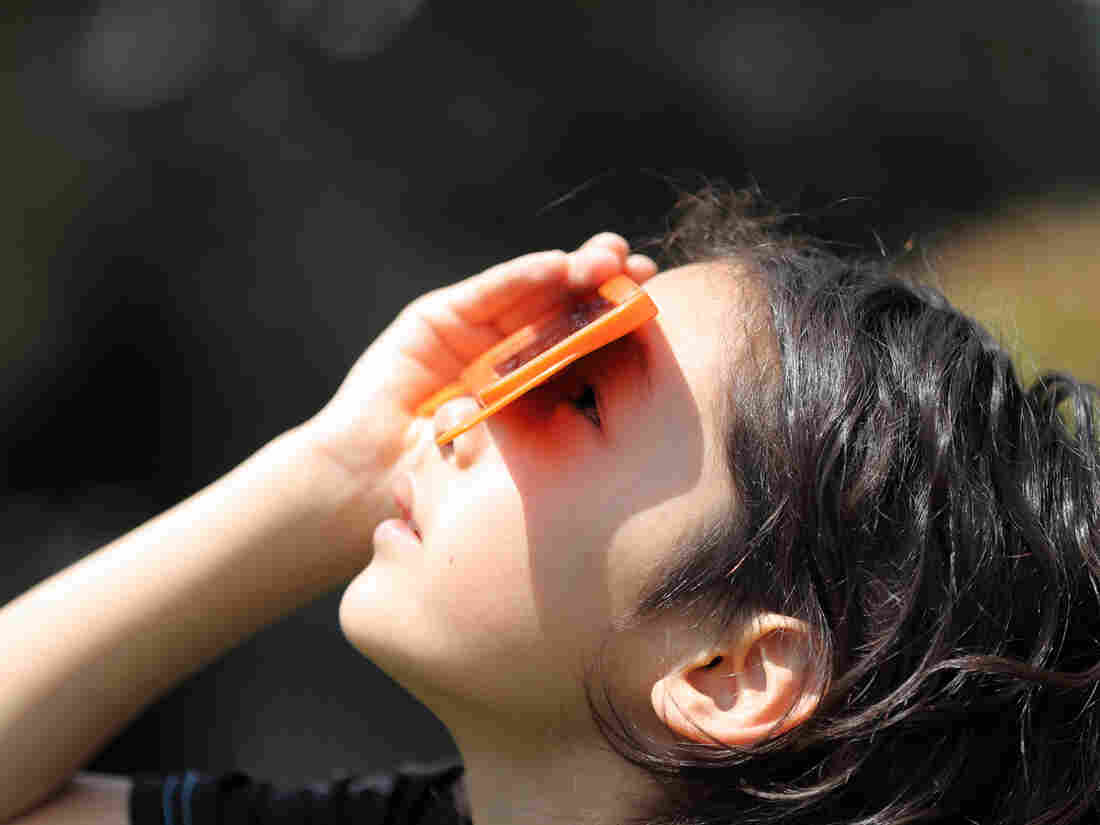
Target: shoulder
[(413, 794), (87, 799)]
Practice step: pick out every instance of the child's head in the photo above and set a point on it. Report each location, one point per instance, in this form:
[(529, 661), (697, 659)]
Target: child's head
[(541, 526), (822, 557)]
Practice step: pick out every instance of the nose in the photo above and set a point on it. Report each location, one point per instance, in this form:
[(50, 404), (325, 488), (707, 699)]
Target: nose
[(469, 444)]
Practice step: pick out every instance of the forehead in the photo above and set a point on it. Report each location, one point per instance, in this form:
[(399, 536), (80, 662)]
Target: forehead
[(677, 483), (707, 329), (703, 291), (706, 319)]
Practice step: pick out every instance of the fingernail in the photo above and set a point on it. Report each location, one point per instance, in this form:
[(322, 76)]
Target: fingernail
[(453, 413)]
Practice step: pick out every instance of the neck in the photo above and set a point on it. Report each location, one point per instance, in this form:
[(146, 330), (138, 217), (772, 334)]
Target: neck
[(518, 777)]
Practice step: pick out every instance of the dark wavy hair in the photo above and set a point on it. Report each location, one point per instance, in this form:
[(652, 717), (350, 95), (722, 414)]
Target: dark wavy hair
[(932, 520)]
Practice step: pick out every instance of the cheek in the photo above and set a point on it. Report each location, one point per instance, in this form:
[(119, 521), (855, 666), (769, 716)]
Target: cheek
[(447, 616), (504, 584), (479, 563), (518, 571)]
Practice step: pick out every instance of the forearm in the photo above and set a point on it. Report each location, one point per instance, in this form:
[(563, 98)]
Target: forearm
[(88, 648)]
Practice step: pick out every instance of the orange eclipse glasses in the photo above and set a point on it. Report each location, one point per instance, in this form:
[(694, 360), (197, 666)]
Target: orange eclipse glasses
[(534, 353)]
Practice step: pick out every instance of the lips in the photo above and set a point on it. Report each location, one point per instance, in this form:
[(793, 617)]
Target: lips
[(403, 499)]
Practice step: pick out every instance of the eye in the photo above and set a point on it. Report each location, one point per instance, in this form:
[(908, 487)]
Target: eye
[(587, 403)]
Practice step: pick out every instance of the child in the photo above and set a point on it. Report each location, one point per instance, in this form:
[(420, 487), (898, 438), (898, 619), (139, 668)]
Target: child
[(799, 550)]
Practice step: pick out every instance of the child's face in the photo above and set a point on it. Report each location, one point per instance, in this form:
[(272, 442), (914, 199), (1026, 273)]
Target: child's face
[(540, 530)]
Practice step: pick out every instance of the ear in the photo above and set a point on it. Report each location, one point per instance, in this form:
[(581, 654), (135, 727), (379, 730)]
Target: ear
[(742, 691)]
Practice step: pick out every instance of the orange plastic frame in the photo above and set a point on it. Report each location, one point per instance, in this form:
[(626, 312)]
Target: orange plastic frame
[(531, 355)]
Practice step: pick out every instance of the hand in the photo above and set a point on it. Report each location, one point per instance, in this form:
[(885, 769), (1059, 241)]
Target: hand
[(370, 425)]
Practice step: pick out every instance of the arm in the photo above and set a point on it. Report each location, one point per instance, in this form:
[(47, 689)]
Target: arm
[(88, 648)]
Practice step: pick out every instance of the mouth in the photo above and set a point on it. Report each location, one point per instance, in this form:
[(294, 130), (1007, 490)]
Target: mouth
[(403, 500)]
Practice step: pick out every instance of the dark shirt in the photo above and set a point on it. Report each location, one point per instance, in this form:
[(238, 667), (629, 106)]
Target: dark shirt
[(411, 795)]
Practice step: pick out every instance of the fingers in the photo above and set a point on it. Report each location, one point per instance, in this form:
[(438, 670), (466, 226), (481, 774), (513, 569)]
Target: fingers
[(640, 268), (601, 257), (593, 264), (608, 240), (487, 296), (440, 332), (512, 294)]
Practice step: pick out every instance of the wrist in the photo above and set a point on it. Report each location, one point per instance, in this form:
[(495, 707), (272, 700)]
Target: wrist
[(341, 500)]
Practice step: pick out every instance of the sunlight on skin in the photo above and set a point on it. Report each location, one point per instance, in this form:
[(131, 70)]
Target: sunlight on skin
[(539, 541)]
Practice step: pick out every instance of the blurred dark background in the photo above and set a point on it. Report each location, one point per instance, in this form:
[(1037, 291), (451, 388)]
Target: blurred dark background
[(210, 208)]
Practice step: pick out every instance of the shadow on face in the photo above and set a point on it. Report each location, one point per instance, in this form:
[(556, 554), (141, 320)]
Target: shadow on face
[(603, 510)]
